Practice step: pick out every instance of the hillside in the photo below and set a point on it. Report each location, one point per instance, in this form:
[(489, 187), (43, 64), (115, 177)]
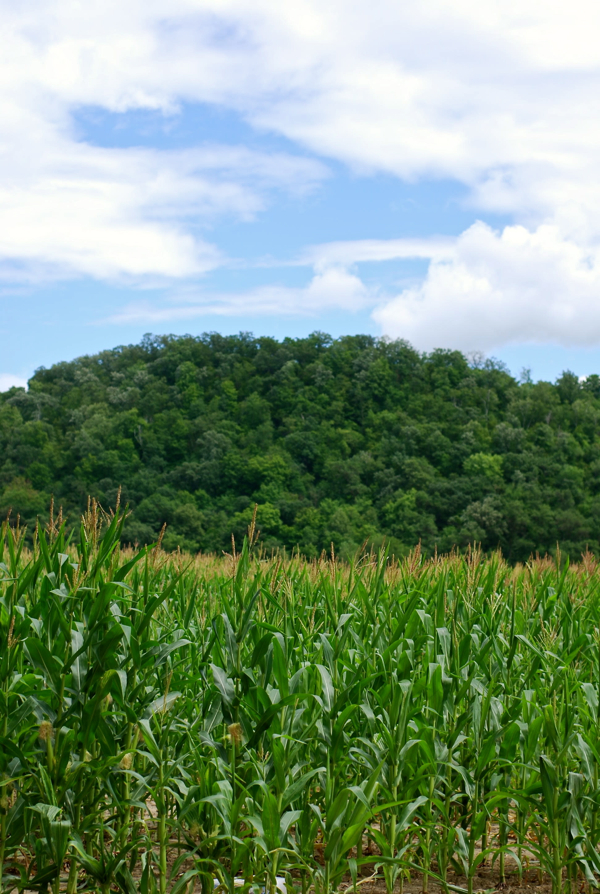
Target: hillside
[(337, 441)]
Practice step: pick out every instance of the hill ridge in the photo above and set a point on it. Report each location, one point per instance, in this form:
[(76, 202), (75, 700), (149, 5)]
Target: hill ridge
[(337, 440)]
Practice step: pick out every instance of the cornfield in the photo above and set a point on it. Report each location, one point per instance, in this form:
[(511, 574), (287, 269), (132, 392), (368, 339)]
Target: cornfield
[(171, 724)]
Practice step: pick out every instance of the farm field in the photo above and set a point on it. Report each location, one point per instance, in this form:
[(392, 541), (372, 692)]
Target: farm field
[(169, 722)]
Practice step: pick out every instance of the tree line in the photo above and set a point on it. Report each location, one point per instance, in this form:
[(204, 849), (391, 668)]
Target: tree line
[(339, 441)]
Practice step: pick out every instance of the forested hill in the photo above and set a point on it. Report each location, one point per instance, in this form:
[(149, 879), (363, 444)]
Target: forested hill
[(337, 441)]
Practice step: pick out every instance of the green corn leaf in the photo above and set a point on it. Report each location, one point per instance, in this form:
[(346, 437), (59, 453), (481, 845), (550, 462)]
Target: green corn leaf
[(223, 684), (271, 821), (42, 659), (327, 691)]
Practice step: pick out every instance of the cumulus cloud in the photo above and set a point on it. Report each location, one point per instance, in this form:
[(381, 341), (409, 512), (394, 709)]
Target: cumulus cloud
[(499, 288), (503, 97)]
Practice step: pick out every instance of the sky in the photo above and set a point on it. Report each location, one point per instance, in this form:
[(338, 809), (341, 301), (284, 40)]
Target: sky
[(420, 170)]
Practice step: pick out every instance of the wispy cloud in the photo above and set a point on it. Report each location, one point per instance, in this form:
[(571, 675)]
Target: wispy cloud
[(333, 288), (110, 213), (70, 208), (372, 250)]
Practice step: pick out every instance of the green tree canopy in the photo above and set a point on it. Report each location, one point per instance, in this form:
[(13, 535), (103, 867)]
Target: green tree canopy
[(337, 440)]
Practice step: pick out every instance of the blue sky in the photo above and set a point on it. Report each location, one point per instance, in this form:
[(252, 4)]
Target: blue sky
[(197, 165)]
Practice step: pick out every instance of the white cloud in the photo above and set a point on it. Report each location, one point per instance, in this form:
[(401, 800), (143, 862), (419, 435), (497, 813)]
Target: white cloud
[(482, 290), (362, 250), (332, 288), (68, 207), (123, 212), (503, 97), (9, 381), (499, 288)]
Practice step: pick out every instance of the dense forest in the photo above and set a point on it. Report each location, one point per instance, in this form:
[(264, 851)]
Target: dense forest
[(338, 441)]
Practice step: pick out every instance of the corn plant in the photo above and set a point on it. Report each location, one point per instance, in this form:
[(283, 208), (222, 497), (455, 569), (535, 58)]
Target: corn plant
[(169, 722)]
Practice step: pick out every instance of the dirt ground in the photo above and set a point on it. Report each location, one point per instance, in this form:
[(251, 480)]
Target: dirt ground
[(486, 879)]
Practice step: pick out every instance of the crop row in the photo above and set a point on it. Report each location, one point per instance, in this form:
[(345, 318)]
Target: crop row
[(163, 726)]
